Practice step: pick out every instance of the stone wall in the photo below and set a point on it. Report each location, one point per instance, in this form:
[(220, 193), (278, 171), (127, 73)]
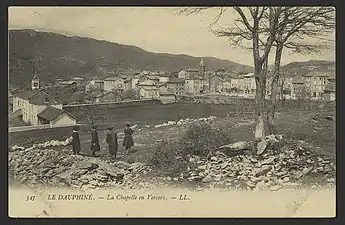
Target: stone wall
[(79, 111)]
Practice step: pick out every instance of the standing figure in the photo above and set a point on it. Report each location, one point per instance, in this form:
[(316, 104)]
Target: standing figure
[(94, 141), (75, 141), (128, 140), (111, 139)]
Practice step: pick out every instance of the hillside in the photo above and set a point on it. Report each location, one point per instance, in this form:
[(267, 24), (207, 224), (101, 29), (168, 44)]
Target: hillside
[(304, 67), (61, 56)]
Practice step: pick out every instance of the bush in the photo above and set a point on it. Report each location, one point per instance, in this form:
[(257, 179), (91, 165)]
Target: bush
[(167, 158), (198, 139)]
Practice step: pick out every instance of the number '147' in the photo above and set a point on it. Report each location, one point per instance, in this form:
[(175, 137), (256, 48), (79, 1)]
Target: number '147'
[(30, 198)]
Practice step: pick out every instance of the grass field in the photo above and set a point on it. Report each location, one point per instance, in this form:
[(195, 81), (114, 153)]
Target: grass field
[(297, 125)]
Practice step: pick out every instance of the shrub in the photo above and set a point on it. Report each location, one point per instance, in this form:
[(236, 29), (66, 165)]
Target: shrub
[(198, 139), (167, 158)]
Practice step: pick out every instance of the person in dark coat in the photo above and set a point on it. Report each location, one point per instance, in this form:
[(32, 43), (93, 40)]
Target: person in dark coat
[(75, 141), (128, 140), (94, 141), (111, 139)]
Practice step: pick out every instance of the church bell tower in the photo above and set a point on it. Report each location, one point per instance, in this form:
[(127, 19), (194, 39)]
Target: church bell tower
[(202, 69), (35, 82)]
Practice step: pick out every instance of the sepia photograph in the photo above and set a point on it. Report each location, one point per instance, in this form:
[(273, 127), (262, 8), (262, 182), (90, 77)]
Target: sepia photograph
[(172, 111)]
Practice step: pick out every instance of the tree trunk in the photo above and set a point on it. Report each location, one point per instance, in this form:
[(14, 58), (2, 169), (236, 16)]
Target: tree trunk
[(272, 129), (260, 129)]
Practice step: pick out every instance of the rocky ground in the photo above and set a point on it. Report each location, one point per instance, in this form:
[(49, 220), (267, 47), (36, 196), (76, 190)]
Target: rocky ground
[(274, 164), (52, 163)]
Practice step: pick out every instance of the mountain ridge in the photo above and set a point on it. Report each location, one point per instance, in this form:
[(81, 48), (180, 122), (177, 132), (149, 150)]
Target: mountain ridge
[(58, 55)]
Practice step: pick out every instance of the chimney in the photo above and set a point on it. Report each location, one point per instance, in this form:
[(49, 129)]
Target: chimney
[(46, 100)]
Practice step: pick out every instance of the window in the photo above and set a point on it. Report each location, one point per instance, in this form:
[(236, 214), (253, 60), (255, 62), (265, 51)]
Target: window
[(314, 94)]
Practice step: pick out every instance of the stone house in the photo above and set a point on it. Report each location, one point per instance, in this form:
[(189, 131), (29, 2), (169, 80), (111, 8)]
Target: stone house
[(108, 97), (330, 91), (167, 98), (114, 83), (163, 78), (149, 92), (30, 104), (55, 117), (176, 86), (216, 84), (78, 80), (316, 82), (96, 84), (249, 85)]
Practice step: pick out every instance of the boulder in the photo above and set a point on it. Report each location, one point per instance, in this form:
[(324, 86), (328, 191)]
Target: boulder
[(262, 147), (88, 165), (170, 123), (62, 177), (237, 148), (122, 165), (269, 141), (268, 161), (329, 117), (262, 171)]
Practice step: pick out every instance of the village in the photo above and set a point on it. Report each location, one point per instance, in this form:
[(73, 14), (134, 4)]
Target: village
[(38, 106)]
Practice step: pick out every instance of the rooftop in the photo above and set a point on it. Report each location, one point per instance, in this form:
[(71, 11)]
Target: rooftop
[(195, 77), (298, 79), (77, 78), (101, 95), (176, 80), (150, 88), (51, 113), (164, 75), (249, 75), (330, 87), (43, 98), (70, 82), (35, 77), (147, 82), (128, 80), (113, 78), (319, 74), (151, 77), (15, 114), (161, 84), (167, 94), (28, 94)]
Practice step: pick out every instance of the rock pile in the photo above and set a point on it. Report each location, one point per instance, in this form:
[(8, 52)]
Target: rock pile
[(187, 121), (51, 143), (60, 168), (275, 163), (16, 148)]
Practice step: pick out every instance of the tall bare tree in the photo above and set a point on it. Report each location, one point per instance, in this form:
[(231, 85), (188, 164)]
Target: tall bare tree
[(258, 26), (294, 25)]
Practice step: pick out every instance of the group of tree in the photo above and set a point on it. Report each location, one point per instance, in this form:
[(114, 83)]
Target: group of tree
[(261, 29)]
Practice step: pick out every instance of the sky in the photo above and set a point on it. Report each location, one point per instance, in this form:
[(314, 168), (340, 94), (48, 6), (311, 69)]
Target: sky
[(152, 29)]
